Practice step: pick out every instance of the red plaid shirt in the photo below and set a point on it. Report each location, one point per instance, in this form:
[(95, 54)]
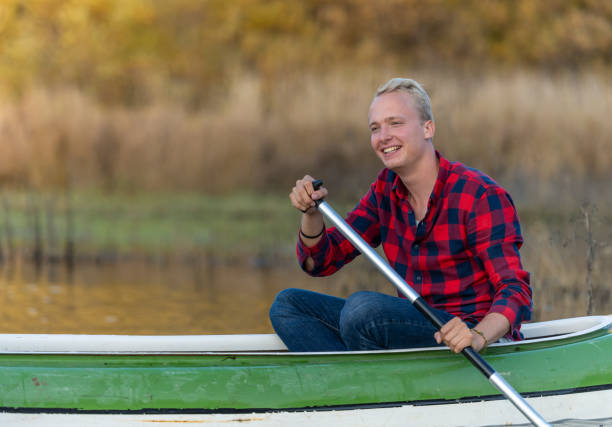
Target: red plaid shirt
[(462, 258)]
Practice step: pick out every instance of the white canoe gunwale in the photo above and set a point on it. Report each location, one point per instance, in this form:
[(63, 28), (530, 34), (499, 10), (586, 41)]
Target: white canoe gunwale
[(547, 332)]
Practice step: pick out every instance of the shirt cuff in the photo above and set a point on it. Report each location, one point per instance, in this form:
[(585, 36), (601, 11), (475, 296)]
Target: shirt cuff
[(512, 312), (316, 252)]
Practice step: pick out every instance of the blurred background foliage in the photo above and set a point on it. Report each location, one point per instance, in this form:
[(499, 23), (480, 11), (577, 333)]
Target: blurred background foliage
[(128, 51)]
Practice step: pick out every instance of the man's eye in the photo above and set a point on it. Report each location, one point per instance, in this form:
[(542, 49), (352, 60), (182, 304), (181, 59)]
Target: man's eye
[(373, 129), (396, 123)]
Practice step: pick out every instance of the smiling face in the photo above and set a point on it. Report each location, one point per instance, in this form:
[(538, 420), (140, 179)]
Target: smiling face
[(398, 135)]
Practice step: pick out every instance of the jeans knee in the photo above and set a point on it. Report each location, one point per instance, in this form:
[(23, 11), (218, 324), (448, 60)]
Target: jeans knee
[(361, 304), (358, 310), (282, 303)]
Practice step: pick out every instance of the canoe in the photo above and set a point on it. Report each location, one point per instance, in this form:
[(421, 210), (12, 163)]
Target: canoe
[(563, 368)]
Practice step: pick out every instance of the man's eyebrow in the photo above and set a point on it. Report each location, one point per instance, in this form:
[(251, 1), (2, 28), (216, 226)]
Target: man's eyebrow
[(386, 119)]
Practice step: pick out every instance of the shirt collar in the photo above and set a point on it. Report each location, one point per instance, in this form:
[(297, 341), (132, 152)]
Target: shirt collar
[(397, 186), (443, 171)]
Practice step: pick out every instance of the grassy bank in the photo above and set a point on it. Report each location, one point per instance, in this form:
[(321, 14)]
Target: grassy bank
[(149, 225)]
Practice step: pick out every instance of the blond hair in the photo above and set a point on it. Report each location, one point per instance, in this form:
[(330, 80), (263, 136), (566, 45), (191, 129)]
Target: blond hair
[(415, 90)]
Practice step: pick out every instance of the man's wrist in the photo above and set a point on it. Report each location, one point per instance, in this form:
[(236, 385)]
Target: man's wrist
[(481, 337), (313, 236)]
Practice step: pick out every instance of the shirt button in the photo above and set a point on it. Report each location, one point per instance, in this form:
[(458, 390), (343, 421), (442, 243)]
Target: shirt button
[(416, 246), (418, 277)]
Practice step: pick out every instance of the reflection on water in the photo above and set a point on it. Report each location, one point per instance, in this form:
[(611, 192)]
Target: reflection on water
[(186, 298), (141, 298)]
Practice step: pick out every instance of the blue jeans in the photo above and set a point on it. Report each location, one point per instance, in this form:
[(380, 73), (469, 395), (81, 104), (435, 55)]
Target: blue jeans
[(310, 321)]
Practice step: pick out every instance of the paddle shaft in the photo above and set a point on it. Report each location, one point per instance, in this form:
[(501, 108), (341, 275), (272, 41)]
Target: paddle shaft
[(494, 378)]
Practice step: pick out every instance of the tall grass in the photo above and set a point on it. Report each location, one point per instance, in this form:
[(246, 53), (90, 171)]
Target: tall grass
[(526, 129)]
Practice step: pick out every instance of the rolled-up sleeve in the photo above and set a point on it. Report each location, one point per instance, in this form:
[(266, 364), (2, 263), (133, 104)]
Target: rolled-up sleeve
[(495, 233)]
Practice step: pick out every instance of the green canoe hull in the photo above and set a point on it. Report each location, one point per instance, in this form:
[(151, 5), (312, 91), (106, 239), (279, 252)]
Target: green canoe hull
[(261, 381)]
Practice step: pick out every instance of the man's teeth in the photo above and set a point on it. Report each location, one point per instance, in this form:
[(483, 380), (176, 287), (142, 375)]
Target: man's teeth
[(390, 149)]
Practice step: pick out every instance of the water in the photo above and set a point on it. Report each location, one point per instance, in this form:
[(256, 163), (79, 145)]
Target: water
[(146, 298), (187, 298)]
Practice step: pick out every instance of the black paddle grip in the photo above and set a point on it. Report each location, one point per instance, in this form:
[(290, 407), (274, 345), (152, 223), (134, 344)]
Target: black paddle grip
[(317, 183), (477, 360), (426, 311)]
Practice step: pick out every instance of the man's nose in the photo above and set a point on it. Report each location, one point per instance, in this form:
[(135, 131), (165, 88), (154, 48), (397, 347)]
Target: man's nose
[(385, 135)]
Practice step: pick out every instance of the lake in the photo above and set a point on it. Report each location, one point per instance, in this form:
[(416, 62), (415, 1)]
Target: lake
[(188, 297), (146, 298)]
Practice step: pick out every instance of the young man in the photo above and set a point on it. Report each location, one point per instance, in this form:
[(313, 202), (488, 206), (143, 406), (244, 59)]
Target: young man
[(449, 230)]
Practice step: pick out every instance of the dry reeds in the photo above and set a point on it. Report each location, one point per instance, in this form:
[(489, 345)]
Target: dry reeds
[(530, 124), (524, 125)]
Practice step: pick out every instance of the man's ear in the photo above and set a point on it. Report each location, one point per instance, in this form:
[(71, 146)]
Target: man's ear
[(429, 128)]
